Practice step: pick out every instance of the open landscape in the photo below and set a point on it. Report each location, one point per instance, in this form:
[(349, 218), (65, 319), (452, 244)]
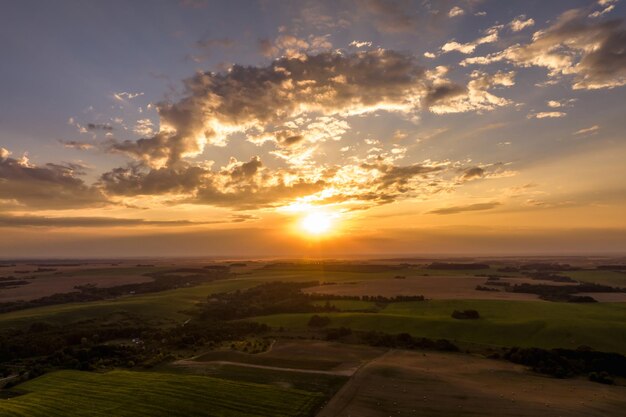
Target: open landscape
[(304, 338), (312, 208)]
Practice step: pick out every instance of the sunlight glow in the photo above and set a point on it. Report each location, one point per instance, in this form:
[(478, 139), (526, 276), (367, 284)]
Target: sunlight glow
[(317, 223)]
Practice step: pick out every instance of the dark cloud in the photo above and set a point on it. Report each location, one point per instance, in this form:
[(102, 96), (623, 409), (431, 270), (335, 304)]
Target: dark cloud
[(52, 186), (391, 15), (470, 207), (402, 16), (99, 126), (593, 52), (266, 48), (472, 173), (137, 180), (262, 99), (83, 146), (240, 185), (250, 197), (401, 175), (43, 221), (444, 93), (329, 83)]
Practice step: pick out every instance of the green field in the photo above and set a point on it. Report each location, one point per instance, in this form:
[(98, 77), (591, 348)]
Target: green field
[(126, 393), (503, 323), (165, 305), (612, 278), (325, 384)]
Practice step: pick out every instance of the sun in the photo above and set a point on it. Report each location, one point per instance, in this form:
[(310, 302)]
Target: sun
[(317, 223)]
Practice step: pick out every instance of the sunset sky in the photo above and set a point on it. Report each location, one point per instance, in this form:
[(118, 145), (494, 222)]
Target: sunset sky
[(312, 128)]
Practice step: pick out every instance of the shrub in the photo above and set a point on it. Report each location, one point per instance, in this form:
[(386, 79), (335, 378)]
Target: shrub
[(319, 321), (465, 315)]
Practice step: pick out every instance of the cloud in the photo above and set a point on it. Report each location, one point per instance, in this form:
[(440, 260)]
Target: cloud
[(316, 17), (491, 35), (361, 44), (466, 208), (472, 173), (255, 100), (291, 46), (267, 48), (83, 146), (4, 153), (429, 55), (241, 185), (456, 11), (588, 131), (392, 16), (555, 104), (520, 23), (50, 186), (45, 221), (450, 98), (547, 115), (144, 127), (99, 126), (123, 96), (297, 105), (599, 13), (592, 53), (252, 185)]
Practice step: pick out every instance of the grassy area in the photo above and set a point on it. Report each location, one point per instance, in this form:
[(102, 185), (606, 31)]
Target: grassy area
[(166, 304), (325, 384), (348, 305), (502, 323), (269, 360), (114, 270), (126, 393), (616, 279)]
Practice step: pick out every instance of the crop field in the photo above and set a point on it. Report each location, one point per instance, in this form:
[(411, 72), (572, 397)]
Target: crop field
[(304, 355), (403, 383), (165, 304), (617, 279), (440, 287), (502, 323), (126, 393), (307, 381)]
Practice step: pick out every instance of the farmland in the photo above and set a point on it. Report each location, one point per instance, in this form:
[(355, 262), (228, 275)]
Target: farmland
[(442, 385), (124, 393), (288, 338), (503, 323)]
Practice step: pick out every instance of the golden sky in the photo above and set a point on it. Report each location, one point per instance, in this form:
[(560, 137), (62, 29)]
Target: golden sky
[(362, 127)]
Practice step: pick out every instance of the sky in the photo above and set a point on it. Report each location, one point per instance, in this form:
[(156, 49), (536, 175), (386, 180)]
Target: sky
[(312, 128)]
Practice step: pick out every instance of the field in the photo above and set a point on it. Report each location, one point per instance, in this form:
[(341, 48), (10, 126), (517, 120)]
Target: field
[(432, 287), (331, 358), (325, 384), (449, 385), (505, 322), (165, 305), (125, 393), (502, 323), (192, 371), (64, 279)]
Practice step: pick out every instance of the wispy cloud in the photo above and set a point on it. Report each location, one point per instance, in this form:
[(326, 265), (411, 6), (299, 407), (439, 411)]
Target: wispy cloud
[(466, 208)]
